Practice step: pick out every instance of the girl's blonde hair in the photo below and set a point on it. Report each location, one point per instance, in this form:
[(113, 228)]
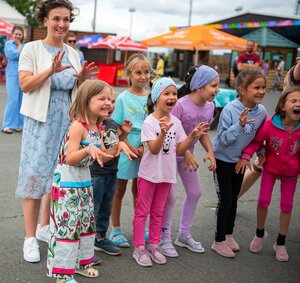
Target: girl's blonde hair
[(132, 61), (283, 98), (88, 89)]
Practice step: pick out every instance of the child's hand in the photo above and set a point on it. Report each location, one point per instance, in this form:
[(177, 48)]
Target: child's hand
[(98, 154), (261, 159), (126, 126), (243, 118), (241, 166), (201, 129), (211, 157), (164, 125), (123, 147), (190, 162), (138, 151)]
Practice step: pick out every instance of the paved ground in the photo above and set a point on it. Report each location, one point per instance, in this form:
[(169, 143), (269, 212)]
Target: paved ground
[(189, 267)]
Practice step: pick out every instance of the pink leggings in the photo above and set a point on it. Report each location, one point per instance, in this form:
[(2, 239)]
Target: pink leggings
[(151, 199), (192, 188), (287, 191)]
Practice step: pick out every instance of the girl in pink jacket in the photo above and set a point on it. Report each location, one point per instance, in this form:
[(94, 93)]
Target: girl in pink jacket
[(281, 135)]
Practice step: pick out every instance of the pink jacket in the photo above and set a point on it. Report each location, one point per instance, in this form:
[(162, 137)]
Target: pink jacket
[(282, 147)]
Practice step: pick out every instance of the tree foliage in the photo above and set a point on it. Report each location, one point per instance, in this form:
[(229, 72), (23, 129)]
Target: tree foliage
[(26, 8)]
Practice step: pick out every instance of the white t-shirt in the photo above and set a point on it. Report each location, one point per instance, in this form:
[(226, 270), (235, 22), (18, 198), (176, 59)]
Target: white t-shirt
[(280, 67), (160, 168)]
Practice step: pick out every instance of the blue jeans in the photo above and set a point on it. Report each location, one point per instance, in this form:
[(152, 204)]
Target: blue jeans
[(104, 190)]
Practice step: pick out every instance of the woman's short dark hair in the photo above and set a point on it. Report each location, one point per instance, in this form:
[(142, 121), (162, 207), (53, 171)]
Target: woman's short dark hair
[(43, 7)]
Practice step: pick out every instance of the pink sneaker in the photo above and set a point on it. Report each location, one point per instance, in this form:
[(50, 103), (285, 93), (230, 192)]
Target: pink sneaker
[(156, 254), (222, 249), (257, 244), (142, 257), (230, 241), (281, 253)]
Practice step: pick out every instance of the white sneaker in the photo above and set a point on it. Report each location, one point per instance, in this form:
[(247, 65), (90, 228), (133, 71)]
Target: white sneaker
[(31, 251), (43, 233)]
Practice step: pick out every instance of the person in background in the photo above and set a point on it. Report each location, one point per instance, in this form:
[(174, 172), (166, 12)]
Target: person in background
[(279, 72), (160, 67), (72, 42), (265, 67), (12, 119), (248, 59), (49, 74)]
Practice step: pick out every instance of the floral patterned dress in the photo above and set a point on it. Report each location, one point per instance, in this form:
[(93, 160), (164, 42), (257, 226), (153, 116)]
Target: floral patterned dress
[(41, 140), (72, 222)]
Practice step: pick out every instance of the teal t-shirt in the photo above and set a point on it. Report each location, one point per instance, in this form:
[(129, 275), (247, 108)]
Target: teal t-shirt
[(130, 107)]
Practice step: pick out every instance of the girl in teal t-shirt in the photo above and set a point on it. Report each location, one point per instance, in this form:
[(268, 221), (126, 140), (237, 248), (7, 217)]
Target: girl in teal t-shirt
[(130, 105)]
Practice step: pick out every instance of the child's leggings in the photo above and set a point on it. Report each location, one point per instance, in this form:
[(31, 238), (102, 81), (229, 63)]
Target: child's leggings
[(192, 188), (287, 191), (228, 184), (72, 228), (151, 199)]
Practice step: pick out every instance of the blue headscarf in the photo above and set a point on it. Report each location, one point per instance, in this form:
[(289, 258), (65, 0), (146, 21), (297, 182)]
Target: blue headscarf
[(203, 76), (159, 86)]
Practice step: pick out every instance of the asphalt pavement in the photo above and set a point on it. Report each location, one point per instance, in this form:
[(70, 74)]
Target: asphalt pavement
[(189, 266)]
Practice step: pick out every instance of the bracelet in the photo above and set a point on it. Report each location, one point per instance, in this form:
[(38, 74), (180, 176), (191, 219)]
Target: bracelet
[(88, 148)]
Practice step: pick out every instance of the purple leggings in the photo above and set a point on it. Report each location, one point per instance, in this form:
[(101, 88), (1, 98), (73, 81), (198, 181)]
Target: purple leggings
[(192, 188), (287, 191)]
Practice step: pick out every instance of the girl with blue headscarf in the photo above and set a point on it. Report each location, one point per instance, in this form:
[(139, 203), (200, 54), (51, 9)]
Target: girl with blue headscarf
[(195, 106), (163, 137)]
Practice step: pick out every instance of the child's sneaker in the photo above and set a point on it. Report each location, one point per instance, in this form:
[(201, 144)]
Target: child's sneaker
[(141, 256), (167, 248), (31, 251), (43, 233), (118, 239), (222, 249), (156, 255), (281, 252), (189, 243), (106, 246), (230, 241), (257, 244)]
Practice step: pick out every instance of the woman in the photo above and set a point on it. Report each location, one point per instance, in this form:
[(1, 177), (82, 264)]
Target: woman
[(12, 119), (49, 73)]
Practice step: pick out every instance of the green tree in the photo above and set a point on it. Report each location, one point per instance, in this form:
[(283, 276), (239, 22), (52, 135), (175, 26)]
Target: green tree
[(26, 8)]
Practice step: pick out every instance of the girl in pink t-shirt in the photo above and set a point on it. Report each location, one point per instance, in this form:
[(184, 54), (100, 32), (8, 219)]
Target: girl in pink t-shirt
[(195, 106), (163, 137)]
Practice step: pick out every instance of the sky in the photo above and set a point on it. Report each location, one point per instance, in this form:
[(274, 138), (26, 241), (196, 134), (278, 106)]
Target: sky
[(154, 17)]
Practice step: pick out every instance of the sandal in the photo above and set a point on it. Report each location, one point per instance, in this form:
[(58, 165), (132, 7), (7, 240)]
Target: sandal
[(88, 272), (71, 280), (18, 130), (7, 131), (118, 239)]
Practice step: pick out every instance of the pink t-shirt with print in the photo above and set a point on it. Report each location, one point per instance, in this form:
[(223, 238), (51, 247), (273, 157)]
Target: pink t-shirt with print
[(160, 168)]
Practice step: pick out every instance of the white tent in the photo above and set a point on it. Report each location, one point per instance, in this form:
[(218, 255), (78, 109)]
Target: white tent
[(11, 15)]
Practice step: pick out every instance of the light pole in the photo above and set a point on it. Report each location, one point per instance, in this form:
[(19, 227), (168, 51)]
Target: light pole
[(95, 15), (131, 11), (190, 12)]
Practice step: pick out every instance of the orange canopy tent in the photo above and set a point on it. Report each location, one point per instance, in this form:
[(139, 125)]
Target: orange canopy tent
[(197, 38)]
